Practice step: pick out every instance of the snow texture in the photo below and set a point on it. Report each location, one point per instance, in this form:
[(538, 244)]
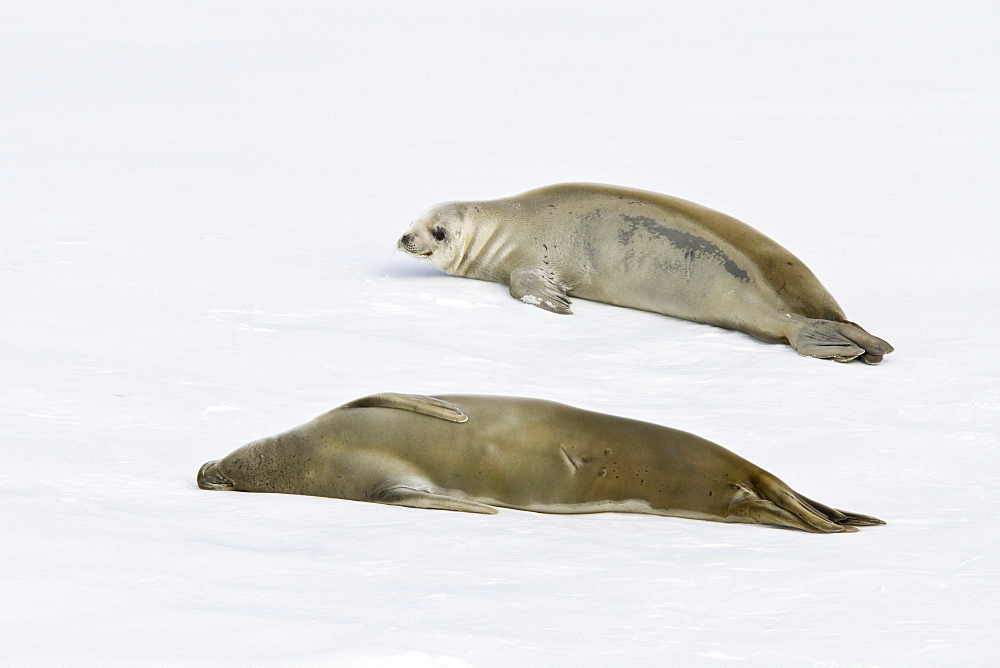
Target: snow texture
[(200, 203)]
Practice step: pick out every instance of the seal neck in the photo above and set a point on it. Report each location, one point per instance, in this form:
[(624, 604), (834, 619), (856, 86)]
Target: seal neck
[(490, 248)]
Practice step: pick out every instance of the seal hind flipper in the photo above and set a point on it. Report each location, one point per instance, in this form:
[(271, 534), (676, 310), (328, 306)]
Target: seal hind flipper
[(539, 288), (763, 511), (840, 341), (773, 502), (844, 516), (401, 495), (416, 403), (859, 520)]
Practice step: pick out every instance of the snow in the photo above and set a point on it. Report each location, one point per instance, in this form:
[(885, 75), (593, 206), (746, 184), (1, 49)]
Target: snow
[(200, 203)]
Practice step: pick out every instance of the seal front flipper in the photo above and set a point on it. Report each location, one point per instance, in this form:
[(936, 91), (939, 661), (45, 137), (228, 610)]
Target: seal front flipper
[(840, 341), (417, 498), (416, 403), (539, 288)]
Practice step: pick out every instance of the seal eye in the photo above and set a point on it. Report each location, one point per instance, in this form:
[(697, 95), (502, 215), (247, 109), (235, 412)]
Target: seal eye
[(439, 233)]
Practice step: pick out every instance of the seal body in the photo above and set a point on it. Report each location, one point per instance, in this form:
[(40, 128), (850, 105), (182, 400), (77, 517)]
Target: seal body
[(641, 250), (472, 453)]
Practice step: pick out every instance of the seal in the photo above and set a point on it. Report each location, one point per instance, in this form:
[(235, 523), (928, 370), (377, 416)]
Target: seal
[(641, 250), (471, 453)]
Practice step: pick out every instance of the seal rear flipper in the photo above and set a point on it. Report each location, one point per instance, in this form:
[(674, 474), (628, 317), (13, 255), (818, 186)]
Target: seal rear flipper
[(410, 402), (763, 511), (844, 516), (840, 341), (418, 498), (539, 288), (774, 502), (771, 508)]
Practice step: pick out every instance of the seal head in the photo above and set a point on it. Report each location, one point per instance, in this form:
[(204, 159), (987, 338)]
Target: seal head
[(209, 477), (436, 237)]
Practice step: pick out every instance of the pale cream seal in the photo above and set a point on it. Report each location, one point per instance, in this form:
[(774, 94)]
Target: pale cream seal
[(641, 250)]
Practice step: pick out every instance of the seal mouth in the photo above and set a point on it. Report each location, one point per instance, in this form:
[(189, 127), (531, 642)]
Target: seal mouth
[(413, 251), (209, 477)]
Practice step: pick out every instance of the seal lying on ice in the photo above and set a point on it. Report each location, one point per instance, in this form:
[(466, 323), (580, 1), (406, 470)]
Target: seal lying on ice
[(471, 453), (641, 250)]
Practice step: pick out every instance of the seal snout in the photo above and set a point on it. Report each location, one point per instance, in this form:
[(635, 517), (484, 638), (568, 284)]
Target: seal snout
[(406, 243), (209, 477)]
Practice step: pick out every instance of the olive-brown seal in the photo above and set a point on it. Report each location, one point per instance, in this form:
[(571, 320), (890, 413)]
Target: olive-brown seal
[(470, 453), (642, 250)]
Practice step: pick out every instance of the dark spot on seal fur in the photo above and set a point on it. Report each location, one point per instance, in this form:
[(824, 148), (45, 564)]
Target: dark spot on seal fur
[(691, 244)]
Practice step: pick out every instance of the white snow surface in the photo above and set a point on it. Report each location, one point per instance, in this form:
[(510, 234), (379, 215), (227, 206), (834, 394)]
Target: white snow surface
[(200, 203)]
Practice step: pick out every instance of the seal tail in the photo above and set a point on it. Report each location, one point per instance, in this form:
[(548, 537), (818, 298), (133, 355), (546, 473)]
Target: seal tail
[(840, 341), (410, 402), (774, 502)]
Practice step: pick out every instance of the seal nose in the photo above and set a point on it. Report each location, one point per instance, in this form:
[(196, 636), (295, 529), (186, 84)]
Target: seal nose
[(209, 477), (406, 241)]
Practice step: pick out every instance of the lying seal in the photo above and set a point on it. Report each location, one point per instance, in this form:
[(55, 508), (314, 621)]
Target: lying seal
[(470, 453), (642, 250)]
